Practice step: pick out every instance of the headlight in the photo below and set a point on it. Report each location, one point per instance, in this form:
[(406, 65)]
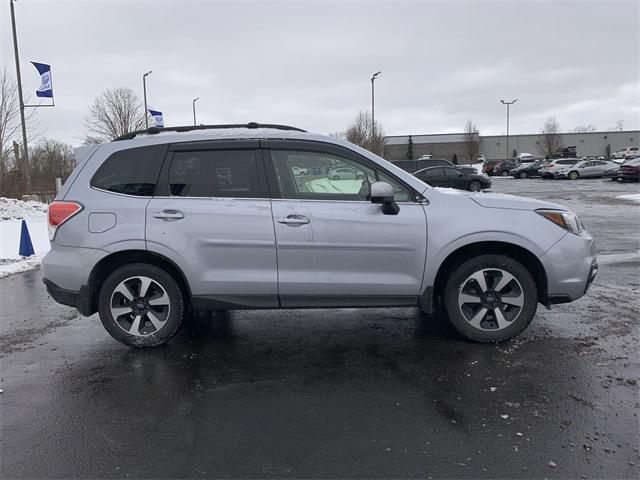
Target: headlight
[(567, 220)]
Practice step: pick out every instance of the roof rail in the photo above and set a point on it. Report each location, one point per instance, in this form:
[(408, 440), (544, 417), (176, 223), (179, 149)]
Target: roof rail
[(189, 128)]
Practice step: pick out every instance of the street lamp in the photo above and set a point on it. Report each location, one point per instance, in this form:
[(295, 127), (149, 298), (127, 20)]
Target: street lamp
[(373, 111), (508, 104), (194, 110), (144, 90)]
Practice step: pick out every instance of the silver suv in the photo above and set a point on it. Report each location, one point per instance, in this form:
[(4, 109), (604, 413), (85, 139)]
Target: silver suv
[(220, 217)]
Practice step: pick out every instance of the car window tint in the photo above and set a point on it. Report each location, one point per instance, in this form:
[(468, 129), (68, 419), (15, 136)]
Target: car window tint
[(215, 173), (330, 177), (451, 172), (131, 172)]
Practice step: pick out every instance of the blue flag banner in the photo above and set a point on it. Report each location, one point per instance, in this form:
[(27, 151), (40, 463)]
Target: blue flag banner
[(157, 116), (45, 89)]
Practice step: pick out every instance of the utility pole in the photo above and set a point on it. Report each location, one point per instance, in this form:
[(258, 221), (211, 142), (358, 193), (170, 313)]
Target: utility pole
[(25, 149), (194, 110), (508, 104), (373, 109), (144, 91)]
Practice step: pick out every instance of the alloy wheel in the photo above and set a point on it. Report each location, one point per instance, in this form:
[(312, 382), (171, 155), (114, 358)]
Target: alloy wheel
[(140, 306), (491, 299)]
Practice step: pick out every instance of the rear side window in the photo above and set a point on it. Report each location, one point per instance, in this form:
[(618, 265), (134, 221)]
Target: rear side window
[(215, 173), (131, 172)]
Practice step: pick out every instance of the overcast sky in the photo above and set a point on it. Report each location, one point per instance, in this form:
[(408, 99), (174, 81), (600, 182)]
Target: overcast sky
[(309, 63)]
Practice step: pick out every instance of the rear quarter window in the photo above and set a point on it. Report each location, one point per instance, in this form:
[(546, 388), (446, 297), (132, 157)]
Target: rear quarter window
[(131, 172)]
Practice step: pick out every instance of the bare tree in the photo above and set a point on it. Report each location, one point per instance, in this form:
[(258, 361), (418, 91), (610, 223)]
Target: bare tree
[(50, 159), (10, 127), (550, 140), (114, 113), (471, 141), (585, 128), (360, 133)]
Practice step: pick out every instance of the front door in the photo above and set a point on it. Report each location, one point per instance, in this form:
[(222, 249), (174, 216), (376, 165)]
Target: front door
[(336, 248), (212, 217)]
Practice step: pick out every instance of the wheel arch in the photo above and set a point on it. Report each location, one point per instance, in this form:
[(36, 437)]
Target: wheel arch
[(431, 298), (117, 259)]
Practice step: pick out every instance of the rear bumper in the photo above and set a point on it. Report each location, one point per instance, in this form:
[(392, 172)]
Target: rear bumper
[(78, 299)]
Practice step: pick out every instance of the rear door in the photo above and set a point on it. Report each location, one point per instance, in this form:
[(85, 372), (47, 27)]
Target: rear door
[(211, 215), (336, 248)]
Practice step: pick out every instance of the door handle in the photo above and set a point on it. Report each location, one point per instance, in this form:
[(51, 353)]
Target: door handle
[(169, 214), (294, 220)]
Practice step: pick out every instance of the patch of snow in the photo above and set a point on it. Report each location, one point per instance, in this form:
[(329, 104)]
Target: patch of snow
[(618, 257), (12, 209), (12, 212), (635, 197)]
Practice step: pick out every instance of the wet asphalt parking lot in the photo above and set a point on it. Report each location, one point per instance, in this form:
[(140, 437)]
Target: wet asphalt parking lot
[(336, 393)]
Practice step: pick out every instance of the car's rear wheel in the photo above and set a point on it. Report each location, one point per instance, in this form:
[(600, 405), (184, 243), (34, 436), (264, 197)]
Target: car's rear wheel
[(573, 175), (475, 186), (141, 305), (523, 175), (490, 298)]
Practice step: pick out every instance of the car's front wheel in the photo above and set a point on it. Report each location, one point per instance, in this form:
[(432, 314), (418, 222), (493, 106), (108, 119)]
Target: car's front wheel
[(141, 305), (573, 175), (523, 175), (490, 298), (505, 173), (475, 186)]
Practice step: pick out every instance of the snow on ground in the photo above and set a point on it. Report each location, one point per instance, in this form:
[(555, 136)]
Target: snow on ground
[(11, 214), (631, 196), (12, 209)]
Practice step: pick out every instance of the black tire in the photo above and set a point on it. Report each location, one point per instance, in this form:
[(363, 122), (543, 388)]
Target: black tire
[(475, 186), (505, 173), (523, 175), (175, 310), (459, 279), (573, 175), (335, 177)]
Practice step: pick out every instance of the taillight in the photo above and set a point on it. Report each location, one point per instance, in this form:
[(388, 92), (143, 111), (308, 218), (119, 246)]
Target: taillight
[(60, 212)]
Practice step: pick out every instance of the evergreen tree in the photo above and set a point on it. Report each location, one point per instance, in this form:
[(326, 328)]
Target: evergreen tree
[(455, 159), (410, 149)]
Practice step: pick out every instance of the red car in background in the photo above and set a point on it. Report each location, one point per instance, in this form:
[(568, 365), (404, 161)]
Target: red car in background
[(487, 166), (629, 171)]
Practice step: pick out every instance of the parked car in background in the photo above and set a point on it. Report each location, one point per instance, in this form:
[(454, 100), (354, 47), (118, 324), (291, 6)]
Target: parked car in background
[(587, 169), (547, 169), (629, 171), (424, 161), (627, 152), (487, 166), (525, 158), (453, 178), (566, 152), (467, 169), (299, 171), (525, 170), (502, 168), (344, 173)]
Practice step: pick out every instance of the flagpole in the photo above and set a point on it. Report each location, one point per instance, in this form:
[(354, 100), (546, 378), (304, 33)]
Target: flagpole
[(25, 148)]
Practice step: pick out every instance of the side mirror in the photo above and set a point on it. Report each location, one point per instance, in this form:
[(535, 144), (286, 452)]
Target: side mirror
[(382, 192)]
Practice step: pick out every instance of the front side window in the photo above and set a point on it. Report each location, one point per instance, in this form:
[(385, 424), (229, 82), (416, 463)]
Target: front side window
[(215, 173), (331, 177), (131, 172)]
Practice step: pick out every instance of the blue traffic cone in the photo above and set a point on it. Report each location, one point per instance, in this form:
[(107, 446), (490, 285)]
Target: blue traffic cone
[(26, 247)]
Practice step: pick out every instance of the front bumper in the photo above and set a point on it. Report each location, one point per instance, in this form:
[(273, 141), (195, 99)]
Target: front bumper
[(571, 267)]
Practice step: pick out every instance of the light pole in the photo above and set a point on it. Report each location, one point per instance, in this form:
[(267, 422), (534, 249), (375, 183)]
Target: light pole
[(25, 150), (373, 109), (508, 104), (144, 91), (194, 110)]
